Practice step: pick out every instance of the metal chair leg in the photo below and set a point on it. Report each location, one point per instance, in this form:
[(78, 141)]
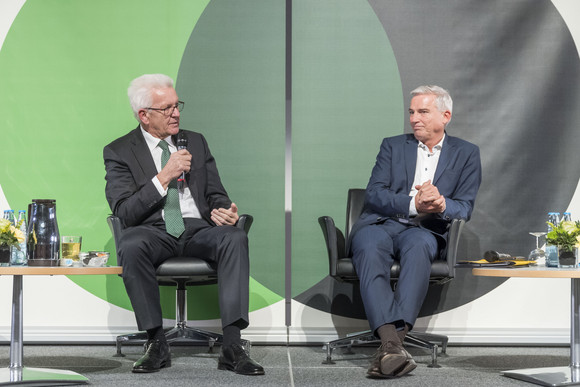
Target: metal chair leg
[(118, 345), (347, 342), (328, 354), (427, 341), (138, 337)]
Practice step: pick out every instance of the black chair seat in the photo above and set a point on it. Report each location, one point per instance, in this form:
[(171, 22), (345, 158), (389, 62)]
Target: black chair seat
[(189, 269)]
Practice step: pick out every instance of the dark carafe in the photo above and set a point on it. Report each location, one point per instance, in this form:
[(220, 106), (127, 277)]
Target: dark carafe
[(43, 236)]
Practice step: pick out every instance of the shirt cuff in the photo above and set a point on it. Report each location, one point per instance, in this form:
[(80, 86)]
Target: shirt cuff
[(159, 187), (412, 208)]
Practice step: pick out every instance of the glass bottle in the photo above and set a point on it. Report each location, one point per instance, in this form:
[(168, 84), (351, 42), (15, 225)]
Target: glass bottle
[(552, 250), (4, 249), (9, 214), (18, 257)]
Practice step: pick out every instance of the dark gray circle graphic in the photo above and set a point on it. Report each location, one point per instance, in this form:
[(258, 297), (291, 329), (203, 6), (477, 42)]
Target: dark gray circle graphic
[(513, 71)]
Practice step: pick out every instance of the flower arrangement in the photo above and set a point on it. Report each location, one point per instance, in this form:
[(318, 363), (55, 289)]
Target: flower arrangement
[(10, 235), (566, 235)]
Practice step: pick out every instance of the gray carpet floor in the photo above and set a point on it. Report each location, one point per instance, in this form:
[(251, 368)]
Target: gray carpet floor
[(291, 366)]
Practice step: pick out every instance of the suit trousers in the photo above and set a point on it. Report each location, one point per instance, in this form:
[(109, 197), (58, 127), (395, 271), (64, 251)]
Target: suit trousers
[(143, 248), (375, 248)]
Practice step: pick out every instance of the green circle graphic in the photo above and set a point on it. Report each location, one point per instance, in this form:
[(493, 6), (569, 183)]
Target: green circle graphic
[(64, 70)]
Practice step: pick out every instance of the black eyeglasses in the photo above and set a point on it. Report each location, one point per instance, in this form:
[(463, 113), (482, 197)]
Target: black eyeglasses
[(168, 110)]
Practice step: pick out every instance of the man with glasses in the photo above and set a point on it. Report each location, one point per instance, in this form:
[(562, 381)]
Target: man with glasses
[(163, 220)]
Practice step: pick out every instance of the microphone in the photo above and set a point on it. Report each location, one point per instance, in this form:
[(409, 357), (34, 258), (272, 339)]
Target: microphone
[(181, 144), (494, 256)]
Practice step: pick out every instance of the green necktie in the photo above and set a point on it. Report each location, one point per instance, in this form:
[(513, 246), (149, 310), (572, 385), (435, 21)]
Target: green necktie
[(173, 220)]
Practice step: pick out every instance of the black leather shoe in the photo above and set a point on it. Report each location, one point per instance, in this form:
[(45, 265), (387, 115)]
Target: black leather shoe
[(234, 358), (156, 356)]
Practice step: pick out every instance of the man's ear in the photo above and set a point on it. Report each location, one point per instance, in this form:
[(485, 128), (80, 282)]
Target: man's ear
[(447, 115), (143, 117)]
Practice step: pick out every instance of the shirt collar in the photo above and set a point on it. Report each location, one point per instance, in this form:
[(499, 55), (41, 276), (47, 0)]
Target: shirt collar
[(152, 141), (435, 148)]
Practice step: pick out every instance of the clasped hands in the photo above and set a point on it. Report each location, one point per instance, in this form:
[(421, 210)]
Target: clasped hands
[(428, 199), (180, 162)]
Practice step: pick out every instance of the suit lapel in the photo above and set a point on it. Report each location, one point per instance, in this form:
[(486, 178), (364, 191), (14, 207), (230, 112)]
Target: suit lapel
[(446, 151), (192, 183), (142, 154), (410, 160)]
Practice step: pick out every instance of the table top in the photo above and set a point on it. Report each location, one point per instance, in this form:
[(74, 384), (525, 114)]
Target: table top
[(58, 270), (527, 272)]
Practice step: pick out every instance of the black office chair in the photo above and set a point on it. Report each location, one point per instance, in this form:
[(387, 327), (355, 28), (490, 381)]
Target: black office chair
[(342, 269), (180, 272)]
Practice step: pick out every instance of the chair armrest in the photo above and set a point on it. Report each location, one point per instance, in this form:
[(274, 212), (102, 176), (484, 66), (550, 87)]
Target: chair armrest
[(245, 222), (116, 227), (454, 233), (335, 243)]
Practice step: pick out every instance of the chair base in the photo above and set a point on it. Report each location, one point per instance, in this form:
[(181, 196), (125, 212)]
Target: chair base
[(179, 333), (415, 339)]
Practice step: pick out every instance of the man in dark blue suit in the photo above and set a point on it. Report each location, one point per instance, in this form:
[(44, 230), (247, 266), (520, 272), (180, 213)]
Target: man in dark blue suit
[(420, 182)]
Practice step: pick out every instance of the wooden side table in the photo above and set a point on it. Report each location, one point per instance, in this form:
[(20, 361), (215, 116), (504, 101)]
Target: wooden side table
[(548, 376), (16, 373)]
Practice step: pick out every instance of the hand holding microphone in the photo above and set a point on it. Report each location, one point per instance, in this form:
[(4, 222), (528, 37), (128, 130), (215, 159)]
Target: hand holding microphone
[(178, 165), (181, 144)]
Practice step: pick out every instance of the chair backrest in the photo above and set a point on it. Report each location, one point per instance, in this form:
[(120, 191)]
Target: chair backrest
[(354, 207)]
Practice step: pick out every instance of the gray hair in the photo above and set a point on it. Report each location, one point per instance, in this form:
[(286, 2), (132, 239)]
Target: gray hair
[(442, 98), (140, 90)]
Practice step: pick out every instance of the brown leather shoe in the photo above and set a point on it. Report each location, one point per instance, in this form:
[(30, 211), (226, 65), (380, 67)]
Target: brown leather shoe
[(374, 370), (409, 365), (394, 358), (388, 359)]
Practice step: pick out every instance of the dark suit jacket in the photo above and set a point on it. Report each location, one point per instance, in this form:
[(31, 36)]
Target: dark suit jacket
[(130, 168), (457, 177)]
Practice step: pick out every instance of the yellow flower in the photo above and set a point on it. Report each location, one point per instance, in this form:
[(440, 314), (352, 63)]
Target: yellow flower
[(568, 226), (10, 235), (4, 225), (18, 234)]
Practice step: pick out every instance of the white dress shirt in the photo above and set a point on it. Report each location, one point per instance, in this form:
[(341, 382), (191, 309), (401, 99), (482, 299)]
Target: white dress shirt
[(186, 202), (424, 170)]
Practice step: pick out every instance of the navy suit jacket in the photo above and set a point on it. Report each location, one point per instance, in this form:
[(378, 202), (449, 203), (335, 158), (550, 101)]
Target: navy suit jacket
[(457, 177), (132, 195)]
